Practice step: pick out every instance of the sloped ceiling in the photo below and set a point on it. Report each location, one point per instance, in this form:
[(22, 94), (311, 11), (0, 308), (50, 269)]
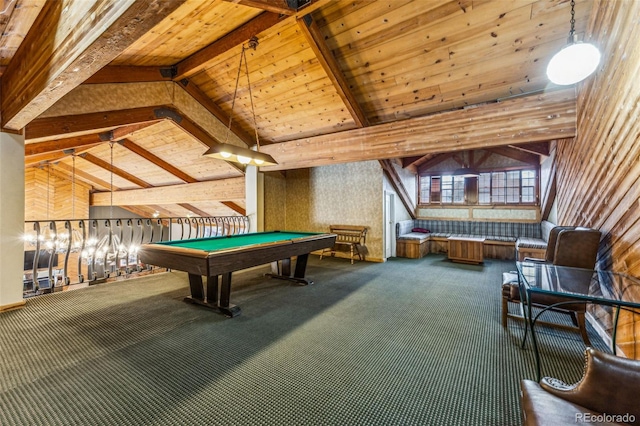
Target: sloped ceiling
[(158, 79)]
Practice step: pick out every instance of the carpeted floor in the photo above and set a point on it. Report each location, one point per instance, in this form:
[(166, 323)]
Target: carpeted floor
[(407, 342)]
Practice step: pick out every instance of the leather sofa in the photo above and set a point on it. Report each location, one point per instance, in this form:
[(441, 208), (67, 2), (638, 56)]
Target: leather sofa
[(606, 394)]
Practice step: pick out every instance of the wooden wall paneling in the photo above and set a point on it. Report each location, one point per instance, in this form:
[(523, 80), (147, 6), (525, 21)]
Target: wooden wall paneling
[(598, 173)]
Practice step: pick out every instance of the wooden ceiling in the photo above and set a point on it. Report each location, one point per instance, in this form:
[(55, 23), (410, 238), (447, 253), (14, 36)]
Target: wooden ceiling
[(331, 81)]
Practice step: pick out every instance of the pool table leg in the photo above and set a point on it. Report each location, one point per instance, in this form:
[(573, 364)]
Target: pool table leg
[(197, 294), (282, 270)]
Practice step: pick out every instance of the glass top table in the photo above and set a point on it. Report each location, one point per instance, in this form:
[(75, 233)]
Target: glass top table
[(575, 285)]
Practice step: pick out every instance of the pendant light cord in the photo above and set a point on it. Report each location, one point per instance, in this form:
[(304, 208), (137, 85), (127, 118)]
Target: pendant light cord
[(253, 44)]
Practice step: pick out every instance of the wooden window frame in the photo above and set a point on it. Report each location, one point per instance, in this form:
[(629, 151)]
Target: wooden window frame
[(474, 199)]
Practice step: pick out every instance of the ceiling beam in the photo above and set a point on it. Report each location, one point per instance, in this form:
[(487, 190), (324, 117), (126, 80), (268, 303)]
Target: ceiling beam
[(197, 94), (198, 61), (157, 161), (194, 209), (68, 42), (235, 207), (540, 148), (434, 161), (315, 39), (60, 145), (516, 154), (115, 170), (397, 184), (86, 177), (190, 193), (129, 74), (532, 118), (274, 6), (55, 126), (136, 118), (126, 131)]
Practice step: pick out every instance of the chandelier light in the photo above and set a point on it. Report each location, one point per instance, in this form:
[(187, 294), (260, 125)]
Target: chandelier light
[(574, 62), (229, 152)]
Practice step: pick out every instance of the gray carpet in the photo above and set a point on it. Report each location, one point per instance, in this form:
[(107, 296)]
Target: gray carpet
[(407, 342)]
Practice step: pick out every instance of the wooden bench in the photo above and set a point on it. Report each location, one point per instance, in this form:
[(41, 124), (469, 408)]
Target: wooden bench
[(351, 236)]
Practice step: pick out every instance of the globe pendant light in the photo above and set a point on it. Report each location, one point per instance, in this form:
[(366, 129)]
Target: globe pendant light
[(574, 62)]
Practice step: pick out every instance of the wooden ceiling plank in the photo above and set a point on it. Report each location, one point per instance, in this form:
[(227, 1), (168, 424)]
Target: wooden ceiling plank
[(201, 135), (214, 109), (315, 39), (128, 74), (86, 177), (128, 130), (191, 193), (154, 159), (198, 61), (55, 58), (115, 170), (44, 158), (52, 126), (532, 118)]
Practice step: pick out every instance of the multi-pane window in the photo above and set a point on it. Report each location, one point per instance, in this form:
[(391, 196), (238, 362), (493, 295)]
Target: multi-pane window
[(500, 187)]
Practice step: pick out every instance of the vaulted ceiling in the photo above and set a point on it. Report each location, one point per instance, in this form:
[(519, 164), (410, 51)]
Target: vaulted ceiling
[(147, 85)]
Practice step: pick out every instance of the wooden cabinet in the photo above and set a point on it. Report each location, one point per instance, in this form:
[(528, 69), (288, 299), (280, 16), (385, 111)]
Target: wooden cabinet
[(466, 249)]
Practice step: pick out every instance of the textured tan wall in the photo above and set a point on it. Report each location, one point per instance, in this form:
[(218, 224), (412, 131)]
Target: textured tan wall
[(314, 199), (275, 190)]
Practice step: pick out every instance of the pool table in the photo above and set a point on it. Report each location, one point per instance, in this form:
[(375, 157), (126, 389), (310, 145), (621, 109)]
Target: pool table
[(220, 256)]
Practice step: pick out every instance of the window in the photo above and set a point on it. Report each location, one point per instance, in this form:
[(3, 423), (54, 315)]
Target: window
[(425, 189), (493, 188)]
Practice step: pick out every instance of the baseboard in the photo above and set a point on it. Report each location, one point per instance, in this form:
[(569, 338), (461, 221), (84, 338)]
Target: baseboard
[(12, 306)]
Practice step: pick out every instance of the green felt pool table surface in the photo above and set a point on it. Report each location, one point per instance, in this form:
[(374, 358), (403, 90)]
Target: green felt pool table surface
[(237, 241)]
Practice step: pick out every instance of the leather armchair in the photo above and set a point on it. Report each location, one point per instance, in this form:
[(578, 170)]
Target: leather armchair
[(609, 387), (567, 246)]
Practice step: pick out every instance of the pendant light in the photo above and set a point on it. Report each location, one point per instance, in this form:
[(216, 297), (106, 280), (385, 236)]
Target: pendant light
[(230, 152), (574, 62)]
